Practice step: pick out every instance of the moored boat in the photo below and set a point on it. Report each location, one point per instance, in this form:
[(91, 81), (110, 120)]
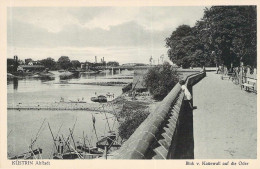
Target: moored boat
[(67, 155), (28, 155), (108, 141), (100, 99), (32, 153), (90, 150)]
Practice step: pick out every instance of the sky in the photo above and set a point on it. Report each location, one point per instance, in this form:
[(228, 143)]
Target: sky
[(123, 34)]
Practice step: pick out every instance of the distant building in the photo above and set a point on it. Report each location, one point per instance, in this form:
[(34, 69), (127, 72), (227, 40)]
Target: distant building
[(34, 63), (85, 65), (30, 68)]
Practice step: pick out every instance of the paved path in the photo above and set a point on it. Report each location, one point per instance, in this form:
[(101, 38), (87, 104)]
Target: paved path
[(225, 123)]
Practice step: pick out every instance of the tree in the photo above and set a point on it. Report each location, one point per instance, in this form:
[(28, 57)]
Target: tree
[(225, 35), (21, 62), (112, 63), (230, 31), (64, 62), (49, 63), (185, 48), (10, 65), (75, 64), (160, 80)]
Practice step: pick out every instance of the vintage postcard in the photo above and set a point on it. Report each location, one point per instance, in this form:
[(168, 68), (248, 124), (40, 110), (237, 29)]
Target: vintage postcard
[(128, 84)]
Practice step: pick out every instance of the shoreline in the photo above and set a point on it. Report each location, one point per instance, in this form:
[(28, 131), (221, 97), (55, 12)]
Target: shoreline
[(129, 112), (114, 106), (61, 106), (100, 83)]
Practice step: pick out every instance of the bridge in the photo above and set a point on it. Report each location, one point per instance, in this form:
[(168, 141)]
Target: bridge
[(172, 131), (115, 68), (146, 67)]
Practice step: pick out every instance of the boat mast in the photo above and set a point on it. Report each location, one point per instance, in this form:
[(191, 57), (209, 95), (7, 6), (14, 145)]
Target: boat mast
[(37, 135), (72, 138), (53, 137), (106, 117), (94, 127)]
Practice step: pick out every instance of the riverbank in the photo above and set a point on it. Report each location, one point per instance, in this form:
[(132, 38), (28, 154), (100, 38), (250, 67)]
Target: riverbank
[(114, 106), (130, 112), (31, 100), (126, 77), (99, 83), (133, 112), (97, 107)]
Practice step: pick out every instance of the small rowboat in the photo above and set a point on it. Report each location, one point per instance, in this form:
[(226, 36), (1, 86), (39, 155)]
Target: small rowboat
[(91, 150), (100, 99), (27, 155)]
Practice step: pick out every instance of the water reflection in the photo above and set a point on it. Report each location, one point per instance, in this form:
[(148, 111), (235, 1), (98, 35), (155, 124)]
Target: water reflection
[(82, 77), (15, 80), (86, 75), (47, 78)]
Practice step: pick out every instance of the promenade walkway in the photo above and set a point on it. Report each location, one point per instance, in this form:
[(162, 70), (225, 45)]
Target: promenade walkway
[(225, 123)]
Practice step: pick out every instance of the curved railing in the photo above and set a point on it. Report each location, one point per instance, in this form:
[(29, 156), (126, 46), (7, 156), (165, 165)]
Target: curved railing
[(154, 137)]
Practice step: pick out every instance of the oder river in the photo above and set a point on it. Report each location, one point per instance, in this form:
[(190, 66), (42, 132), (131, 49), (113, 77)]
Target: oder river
[(23, 125)]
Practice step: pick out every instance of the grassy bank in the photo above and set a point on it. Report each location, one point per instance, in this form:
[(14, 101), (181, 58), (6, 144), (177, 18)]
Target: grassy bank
[(132, 112)]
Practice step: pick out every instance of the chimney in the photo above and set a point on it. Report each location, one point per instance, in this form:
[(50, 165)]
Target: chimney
[(95, 59)]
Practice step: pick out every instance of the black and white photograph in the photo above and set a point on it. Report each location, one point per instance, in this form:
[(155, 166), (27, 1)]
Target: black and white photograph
[(132, 83)]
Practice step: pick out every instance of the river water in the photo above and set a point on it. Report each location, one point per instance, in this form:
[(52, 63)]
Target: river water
[(23, 125)]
